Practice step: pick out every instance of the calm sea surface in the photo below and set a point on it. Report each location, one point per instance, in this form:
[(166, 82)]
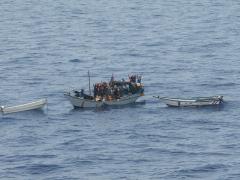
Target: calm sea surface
[(181, 48)]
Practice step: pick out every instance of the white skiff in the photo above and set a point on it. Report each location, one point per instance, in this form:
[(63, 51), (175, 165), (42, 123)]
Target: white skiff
[(24, 107), (198, 101)]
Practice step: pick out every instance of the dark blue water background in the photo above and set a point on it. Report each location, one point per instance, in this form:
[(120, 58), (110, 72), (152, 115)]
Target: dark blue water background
[(181, 48)]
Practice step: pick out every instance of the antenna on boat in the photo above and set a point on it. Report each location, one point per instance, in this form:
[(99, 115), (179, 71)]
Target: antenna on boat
[(89, 86)]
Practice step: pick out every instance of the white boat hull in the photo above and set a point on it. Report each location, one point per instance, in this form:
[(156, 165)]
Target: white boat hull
[(123, 101), (24, 107), (191, 102), (86, 103)]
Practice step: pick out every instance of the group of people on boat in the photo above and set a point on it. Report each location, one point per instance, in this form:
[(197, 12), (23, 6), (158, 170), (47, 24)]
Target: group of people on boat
[(135, 78), (117, 89)]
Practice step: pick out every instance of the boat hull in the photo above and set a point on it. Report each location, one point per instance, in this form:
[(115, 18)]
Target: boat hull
[(192, 102), (123, 100), (189, 103), (24, 107), (79, 102)]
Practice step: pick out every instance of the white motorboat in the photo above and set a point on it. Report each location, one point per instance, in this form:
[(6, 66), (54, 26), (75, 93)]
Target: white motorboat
[(24, 107), (197, 101)]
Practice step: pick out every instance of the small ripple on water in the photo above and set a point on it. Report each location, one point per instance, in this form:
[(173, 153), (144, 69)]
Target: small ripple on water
[(75, 61), (37, 168), (229, 84), (30, 157), (203, 169)]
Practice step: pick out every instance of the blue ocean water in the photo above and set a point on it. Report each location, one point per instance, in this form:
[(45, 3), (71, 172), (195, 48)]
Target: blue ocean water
[(181, 48)]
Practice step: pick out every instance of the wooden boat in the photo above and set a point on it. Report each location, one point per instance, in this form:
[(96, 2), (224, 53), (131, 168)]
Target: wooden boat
[(130, 92), (197, 101), (82, 101), (24, 107)]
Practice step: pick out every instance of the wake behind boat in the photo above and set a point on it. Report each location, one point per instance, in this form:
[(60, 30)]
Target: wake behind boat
[(24, 107), (113, 93), (197, 101)]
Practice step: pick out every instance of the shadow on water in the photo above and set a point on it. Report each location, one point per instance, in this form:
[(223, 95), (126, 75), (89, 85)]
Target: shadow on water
[(75, 60), (86, 109), (132, 105)]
